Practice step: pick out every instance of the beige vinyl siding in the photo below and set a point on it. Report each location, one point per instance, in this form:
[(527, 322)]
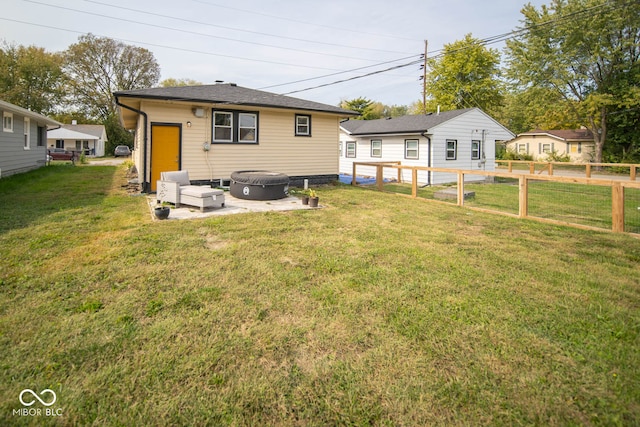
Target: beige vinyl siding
[(278, 149)]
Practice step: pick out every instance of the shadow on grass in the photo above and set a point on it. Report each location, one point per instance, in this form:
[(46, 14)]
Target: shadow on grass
[(63, 190)]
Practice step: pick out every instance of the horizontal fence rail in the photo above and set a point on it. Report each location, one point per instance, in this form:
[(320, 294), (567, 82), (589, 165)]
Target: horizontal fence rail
[(583, 168), (537, 197)]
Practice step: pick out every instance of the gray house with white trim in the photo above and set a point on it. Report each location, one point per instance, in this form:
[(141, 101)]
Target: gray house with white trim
[(458, 139), (23, 139)]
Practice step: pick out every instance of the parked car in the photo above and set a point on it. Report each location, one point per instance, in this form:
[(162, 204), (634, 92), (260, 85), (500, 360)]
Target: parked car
[(121, 150), (60, 154)]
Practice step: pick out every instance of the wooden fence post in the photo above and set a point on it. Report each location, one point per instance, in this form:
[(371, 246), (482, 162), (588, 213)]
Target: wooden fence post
[(414, 182), (632, 177), (588, 171), (617, 208), (353, 177), (532, 168), (460, 188), (510, 166), (379, 177), (400, 173), (550, 169), (523, 197)]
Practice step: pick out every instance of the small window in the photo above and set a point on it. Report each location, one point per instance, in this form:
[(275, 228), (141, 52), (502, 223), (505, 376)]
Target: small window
[(411, 149), (522, 148), (303, 125), (376, 148), (7, 122), (222, 126), (351, 149), (248, 127), (27, 134), (59, 143), (475, 150), (452, 149), (42, 136), (546, 148)]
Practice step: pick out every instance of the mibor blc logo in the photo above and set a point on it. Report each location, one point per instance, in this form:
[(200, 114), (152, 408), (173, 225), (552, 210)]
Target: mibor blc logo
[(46, 398)]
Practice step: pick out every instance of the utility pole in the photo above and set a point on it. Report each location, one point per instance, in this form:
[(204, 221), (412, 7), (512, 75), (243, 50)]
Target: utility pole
[(424, 79)]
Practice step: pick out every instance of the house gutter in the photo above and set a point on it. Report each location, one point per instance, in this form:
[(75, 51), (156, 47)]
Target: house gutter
[(146, 186), (429, 172)]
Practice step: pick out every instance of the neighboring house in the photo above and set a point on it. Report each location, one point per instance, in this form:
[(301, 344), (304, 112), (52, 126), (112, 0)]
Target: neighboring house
[(23, 139), (459, 139), (577, 144), (74, 137), (214, 130)]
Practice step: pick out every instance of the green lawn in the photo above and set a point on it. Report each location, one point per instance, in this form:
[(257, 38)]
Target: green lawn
[(376, 310), (588, 205)]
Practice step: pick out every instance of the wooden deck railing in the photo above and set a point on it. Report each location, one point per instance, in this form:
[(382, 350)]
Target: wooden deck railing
[(617, 189)]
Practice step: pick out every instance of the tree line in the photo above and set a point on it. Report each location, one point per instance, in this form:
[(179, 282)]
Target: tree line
[(571, 64)]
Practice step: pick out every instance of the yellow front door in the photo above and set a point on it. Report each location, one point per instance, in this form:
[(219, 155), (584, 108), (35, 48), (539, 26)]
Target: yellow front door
[(165, 150)]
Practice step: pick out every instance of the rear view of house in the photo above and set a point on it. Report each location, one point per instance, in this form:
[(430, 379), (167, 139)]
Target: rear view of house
[(80, 138), (459, 139), (214, 130), (23, 139)]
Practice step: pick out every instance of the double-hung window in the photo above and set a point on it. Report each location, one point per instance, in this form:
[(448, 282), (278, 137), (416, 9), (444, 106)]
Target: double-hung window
[(303, 125), (376, 148), (351, 149), (27, 134), (475, 150), (235, 127), (411, 149), (452, 149), (7, 122)]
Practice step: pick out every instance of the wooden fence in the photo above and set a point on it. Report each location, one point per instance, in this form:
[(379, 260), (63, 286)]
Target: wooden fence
[(617, 189), (588, 167)]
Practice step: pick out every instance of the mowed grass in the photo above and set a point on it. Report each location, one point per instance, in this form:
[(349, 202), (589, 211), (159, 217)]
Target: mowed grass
[(375, 310), (588, 205)]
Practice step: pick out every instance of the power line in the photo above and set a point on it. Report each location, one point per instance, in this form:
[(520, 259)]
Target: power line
[(304, 22), (170, 47), (190, 21), (191, 32)]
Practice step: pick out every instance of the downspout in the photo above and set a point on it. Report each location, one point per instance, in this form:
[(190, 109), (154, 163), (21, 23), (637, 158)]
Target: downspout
[(146, 187), (428, 161)]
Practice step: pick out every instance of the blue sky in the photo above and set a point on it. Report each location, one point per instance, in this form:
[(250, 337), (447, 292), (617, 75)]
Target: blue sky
[(268, 44)]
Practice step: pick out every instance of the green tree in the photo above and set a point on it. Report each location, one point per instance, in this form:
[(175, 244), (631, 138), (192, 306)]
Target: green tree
[(466, 74), (99, 66), (171, 82), (583, 51), (365, 107), (31, 78)]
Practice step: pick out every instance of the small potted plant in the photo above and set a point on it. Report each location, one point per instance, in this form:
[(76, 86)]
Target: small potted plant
[(313, 199), (161, 211)]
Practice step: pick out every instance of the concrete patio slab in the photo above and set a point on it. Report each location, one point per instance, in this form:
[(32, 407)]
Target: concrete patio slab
[(232, 206)]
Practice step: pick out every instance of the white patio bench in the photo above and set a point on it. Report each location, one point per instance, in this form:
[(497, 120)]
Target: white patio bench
[(175, 187)]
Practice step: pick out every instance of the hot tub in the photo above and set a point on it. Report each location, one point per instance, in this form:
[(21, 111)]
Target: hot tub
[(259, 185)]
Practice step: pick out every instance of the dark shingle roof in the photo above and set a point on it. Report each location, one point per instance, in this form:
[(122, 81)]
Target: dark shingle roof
[(404, 124), (230, 93), (565, 134)]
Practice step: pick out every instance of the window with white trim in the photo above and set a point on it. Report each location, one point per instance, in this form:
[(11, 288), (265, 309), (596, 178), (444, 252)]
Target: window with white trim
[(7, 121), (351, 149), (411, 149), (522, 148), (452, 149), (27, 134), (376, 148), (235, 127), (303, 125), (248, 127), (475, 149)]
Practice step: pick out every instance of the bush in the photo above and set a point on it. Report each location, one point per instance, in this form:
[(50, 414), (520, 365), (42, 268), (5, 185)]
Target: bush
[(512, 155), (555, 157)]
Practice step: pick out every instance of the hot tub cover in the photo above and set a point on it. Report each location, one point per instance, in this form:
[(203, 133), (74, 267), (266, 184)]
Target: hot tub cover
[(260, 178)]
